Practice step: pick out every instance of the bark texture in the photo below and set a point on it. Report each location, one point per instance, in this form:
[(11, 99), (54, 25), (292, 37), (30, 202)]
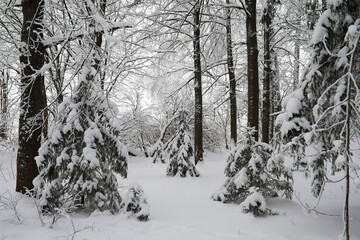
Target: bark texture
[(268, 72), (198, 125), (33, 92), (232, 78), (252, 70)]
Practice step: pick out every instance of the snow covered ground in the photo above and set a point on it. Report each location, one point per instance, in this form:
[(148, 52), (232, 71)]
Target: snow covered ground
[(180, 209)]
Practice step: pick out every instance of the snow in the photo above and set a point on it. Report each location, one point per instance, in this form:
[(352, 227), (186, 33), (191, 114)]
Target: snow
[(241, 178), (320, 31), (334, 3), (253, 199), (180, 208)]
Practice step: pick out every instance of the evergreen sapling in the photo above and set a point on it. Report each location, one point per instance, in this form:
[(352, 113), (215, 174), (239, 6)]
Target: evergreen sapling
[(159, 155), (181, 151), (78, 162), (253, 174), (135, 202)]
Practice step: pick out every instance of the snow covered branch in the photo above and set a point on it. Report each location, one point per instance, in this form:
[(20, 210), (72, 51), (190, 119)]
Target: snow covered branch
[(53, 41)]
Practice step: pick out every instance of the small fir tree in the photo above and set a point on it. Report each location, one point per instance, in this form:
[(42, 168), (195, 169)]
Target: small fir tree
[(181, 151), (159, 155), (78, 162), (135, 202), (253, 173)]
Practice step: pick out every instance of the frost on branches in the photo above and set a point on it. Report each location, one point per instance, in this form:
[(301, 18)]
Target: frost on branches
[(253, 173), (78, 162), (181, 151), (322, 97)]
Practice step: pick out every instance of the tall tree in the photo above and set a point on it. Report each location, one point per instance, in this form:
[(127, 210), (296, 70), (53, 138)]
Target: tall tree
[(32, 92), (252, 66), (268, 16), (98, 42), (232, 78), (198, 117), (327, 100)]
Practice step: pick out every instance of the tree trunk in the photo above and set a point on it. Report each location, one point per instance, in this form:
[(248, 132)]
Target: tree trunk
[(198, 125), (32, 97), (4, 78), (348, 154), (296, 64), (275, 97), (232, 78), (268, 72), (252, 69), (98, 42)]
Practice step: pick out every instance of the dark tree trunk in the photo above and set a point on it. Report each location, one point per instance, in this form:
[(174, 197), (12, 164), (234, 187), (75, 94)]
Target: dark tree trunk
[(268, 72), (4, 78), (98, 42), (198, 125), (232, 79), (252, 69), (32, 97)]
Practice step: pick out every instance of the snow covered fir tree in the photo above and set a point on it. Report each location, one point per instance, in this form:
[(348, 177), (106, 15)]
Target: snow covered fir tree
[(79, 161), (327, 100), (253, 174), (96, 95), (136, 203), (159, 155), (181, 151)]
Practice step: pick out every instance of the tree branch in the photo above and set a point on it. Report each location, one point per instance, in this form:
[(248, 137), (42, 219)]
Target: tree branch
[(53, 41)]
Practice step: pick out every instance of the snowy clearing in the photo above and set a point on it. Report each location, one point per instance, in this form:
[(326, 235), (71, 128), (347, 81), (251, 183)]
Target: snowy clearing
[(181, 208)]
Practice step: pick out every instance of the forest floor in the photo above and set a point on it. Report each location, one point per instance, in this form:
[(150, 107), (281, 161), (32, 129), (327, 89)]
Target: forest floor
[(181, 208)]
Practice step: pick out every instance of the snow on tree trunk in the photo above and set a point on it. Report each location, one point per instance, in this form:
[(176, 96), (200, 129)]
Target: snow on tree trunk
[(32, 93), (252, 66), (232, 78), (267, 19)]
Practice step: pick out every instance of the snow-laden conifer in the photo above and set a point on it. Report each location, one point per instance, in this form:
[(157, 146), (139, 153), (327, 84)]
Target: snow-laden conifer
[(181, 151), (78, 162), (320, 98), (159, 155), (251, 169), (330, 90), (135, 202)]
